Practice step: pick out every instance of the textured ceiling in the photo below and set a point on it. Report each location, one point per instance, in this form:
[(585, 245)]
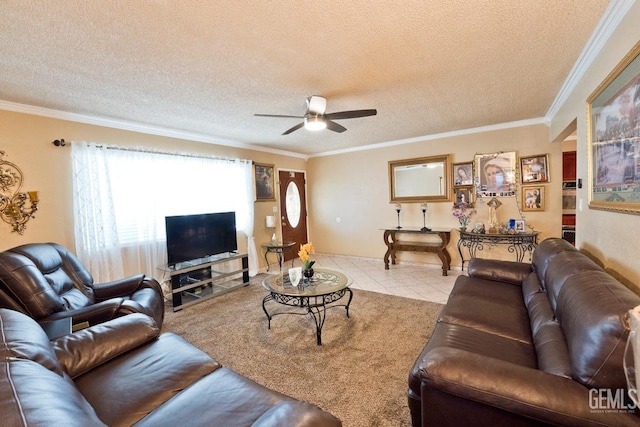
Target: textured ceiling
[(205, 67)]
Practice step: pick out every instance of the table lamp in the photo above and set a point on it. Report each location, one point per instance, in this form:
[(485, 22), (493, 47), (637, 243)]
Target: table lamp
[(271, 223)]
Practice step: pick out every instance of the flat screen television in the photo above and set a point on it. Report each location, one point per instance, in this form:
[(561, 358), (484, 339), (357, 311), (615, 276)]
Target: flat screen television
[(197, 236)]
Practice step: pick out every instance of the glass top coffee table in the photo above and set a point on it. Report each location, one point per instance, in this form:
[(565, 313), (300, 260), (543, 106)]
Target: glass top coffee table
[(315, 295)]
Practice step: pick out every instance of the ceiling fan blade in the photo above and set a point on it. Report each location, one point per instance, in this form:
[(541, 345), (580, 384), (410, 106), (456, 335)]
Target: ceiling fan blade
[(335, 126), (293, 129), (351, 114), (278, 115)]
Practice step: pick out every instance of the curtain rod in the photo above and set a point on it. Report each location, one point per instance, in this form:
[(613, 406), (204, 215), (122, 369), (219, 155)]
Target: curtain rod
[(61, 143)]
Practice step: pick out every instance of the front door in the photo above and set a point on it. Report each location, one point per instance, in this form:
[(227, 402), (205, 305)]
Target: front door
[(293, 210)]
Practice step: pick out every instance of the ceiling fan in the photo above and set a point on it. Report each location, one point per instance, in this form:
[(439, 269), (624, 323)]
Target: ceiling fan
[(316, 119)]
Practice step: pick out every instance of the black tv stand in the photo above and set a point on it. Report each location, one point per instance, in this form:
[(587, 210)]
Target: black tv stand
[(200, 279)]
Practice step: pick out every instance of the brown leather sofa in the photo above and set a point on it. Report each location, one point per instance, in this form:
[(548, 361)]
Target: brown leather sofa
[(123, 373), (527, 345), (48, 282)]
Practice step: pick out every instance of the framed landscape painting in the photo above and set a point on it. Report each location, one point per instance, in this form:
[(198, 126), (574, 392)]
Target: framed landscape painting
[(264, 182), (614, 139)]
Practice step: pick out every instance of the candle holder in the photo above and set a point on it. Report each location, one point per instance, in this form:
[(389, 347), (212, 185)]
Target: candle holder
[(398, 209), (13, 202), (423, 206)]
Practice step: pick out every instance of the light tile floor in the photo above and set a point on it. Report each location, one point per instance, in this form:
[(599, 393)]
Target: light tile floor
[(411, 280)]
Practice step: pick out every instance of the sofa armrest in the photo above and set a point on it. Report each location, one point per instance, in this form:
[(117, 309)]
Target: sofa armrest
[(84, 350), (514, 389), (118, 288), (91, 314), (500, 271)]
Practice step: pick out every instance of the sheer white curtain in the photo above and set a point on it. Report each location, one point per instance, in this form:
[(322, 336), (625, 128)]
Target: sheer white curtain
[(121, 197)]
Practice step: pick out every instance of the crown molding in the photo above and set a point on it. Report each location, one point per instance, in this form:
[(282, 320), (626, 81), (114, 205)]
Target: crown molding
[(610, 20), (501, 126), (136, 127)]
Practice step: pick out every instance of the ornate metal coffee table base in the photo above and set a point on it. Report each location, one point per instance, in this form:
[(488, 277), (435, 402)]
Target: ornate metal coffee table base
[(315, 305)]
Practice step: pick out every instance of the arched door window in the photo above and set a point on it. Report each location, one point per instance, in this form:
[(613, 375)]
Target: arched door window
[(293, 204)]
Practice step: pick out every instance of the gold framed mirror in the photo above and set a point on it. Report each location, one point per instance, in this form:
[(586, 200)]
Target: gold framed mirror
[(423, 179)]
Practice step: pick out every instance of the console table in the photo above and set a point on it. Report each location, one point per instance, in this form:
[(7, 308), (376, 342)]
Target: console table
[(519, 243), (394, 245)]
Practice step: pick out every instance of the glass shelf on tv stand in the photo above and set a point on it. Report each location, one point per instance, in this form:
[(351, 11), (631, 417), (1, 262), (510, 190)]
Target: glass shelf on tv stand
[(197, 280)]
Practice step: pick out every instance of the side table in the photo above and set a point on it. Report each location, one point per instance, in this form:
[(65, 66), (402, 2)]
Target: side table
[(278, 248)]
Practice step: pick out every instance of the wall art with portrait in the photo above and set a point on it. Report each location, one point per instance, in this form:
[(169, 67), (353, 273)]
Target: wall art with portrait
[(464, 195), (495, 174), (462, 174), (614, 138), (264, 182), (533, 198), (534, 169)]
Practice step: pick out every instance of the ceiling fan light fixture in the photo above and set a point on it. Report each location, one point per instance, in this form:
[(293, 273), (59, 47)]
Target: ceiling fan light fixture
[(314, 123)]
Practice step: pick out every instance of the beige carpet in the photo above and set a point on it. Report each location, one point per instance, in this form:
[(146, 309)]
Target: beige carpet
[(359, 373)]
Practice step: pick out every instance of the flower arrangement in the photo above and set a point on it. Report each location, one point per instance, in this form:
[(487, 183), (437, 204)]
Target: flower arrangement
[(304, 252), (463, 213)]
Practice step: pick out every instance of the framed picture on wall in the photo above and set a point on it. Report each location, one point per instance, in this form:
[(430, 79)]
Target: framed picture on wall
[(462, 174), (464, 195), (495, 174), (264, 182), (614, 138), (534, 169), (533, 198)]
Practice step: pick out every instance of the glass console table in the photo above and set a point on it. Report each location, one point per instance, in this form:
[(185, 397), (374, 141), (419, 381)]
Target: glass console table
[(519, 243)]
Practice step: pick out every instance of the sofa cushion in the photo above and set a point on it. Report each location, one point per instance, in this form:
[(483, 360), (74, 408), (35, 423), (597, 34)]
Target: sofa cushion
[(531, 287), (471, 340), (544, 254), (488, 306), (294, 414), (31, 395), (548, 338), (565, 264), (24, 283), (236, 400), (131, 386), (591, 308), (21, 337)]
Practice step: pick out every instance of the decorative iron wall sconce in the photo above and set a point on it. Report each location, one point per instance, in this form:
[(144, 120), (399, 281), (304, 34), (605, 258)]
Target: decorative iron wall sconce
[(13, 208)]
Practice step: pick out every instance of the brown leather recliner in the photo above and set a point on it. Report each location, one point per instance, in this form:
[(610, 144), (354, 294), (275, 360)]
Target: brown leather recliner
[(48, 282)]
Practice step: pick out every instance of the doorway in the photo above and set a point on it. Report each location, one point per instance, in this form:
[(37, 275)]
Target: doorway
[(293, 209), (569, 184)]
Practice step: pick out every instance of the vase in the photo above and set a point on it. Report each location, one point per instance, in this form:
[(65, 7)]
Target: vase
[(308, 273), (463, 228)]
